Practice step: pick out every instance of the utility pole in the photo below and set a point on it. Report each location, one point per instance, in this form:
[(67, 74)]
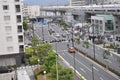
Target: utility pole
[(74, 64), (93, 42), (72, 36), (92, 72), (73, 47), (56, 62), (42, 31)]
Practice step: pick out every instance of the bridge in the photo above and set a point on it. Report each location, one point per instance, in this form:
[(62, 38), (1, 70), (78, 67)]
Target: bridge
[(106, 9)]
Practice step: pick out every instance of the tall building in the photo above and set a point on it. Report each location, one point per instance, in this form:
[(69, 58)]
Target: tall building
[(30, 11), (11, 33)]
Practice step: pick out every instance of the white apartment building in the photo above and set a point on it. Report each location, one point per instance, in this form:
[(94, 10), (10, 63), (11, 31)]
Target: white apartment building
[(30, 11), (11, 33)]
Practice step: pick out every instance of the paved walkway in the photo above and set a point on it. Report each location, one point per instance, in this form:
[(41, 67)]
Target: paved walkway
[(8, 76), (30, 70)]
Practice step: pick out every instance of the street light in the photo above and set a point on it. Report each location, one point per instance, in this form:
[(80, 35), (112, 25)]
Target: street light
[(38, 61), (42, 31), (56, 62), (93, 40), (92, 71), (73, 47), (44, 72)]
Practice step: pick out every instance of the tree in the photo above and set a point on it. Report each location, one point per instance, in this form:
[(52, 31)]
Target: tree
[(25, 25), (65, 74), (34, 60), (43, 50), (50, 60), (34, 45), (106, 53), (29, 50)]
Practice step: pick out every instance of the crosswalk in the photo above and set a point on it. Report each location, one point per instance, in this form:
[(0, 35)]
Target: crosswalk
[(27, 67)]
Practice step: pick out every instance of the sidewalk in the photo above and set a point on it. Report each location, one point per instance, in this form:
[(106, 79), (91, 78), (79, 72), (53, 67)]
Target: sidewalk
[(110, 50)]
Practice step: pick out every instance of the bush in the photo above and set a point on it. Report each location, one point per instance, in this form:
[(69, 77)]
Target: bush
[(98, 42), (39, 70), (34, 60), (15, 66), (86, 44), (112, 46)]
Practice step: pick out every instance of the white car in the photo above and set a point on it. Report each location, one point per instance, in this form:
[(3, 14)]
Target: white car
[(57, 35)]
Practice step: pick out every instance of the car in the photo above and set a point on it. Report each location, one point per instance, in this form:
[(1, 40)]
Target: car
[(57, 35), (63, 35), (71, 50)]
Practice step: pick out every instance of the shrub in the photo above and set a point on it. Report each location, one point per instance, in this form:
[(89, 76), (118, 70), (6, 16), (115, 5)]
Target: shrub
[(34, 60), (98, 42)]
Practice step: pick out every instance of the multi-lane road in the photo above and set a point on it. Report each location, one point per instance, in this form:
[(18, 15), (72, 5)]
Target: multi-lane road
[(82, 64)]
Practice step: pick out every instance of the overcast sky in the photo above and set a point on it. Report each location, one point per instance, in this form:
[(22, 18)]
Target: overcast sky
[(46, 2)]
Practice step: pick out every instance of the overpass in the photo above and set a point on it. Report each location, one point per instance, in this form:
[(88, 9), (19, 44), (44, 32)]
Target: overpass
[(106, 9)]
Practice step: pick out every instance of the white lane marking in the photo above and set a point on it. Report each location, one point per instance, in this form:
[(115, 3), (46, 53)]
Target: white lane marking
[(72, 67), (108, 61), (101, 78), (82, 70), (61, 51), (82, 64), (95, 68)]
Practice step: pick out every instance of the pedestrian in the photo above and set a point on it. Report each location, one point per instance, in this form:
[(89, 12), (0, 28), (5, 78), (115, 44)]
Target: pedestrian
[(68, 45)]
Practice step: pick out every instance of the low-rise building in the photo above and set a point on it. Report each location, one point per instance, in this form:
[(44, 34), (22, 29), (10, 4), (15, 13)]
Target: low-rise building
[(107, 25)]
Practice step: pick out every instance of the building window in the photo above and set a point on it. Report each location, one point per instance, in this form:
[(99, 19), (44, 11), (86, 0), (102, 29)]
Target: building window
[(17, 0), (10, 49), (20, 38), (19, 28), (116, 22), (5, 7), (18, 18), (6, 18), (92, 21), (8, 28), (21, 48), (96, 21), (100, 22), (9, 39), (4, 0), (116, 27), (17, 7)]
